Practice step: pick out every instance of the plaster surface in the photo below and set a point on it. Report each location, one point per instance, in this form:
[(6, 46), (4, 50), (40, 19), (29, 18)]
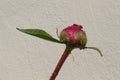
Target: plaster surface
[(24, 57)]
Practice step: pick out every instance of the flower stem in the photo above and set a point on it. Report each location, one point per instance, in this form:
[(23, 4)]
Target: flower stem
[(60, 63)]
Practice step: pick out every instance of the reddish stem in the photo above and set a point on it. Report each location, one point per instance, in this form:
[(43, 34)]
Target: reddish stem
[(60, 63)]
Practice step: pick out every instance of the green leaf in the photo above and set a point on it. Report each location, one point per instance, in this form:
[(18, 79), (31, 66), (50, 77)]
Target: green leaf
[(39, 33), (94, 48)]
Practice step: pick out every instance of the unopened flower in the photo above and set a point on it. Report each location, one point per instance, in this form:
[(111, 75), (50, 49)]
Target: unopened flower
[(74, 35)]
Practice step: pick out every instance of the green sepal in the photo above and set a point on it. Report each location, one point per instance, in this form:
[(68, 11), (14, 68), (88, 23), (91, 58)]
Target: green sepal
[(40, 34)]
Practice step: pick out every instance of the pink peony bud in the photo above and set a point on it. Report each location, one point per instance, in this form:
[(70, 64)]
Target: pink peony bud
[(74, 35)]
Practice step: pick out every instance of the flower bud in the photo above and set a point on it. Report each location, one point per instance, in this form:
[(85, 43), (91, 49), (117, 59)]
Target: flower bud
[(74, 35)]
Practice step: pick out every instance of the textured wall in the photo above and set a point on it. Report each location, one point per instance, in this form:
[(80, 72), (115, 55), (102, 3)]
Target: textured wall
[(23, 57)]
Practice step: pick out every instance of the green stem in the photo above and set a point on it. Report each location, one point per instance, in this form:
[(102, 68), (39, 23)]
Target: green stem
[(94, 48), (60, 63)]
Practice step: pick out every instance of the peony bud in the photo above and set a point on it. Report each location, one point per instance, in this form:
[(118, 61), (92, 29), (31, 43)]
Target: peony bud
[(74, 35)]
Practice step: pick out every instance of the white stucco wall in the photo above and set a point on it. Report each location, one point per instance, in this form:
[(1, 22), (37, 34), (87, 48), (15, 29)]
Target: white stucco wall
[(23, 57)]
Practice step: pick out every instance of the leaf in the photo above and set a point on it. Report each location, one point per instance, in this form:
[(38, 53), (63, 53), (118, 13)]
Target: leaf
[(94, 48), (39, 33)]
